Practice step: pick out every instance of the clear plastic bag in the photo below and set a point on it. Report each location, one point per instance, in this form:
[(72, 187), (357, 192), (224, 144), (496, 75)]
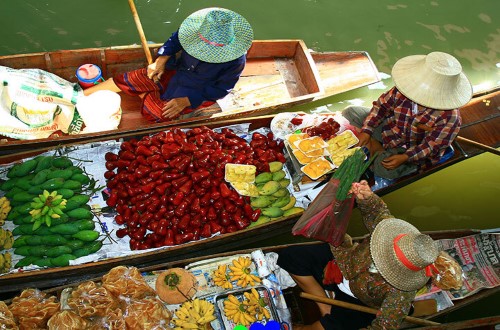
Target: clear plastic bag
[(326, 218)]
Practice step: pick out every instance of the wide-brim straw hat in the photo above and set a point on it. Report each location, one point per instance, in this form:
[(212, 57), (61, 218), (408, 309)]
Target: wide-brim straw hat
[(435, 80), (215, 35), (404, 269)]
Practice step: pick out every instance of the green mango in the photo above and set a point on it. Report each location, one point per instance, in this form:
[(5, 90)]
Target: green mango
[(279, 175), (292, 211), (282, 192), (263, 177), (261, 201), (275, 166), (272, 212), (269, 188), (282, 201)]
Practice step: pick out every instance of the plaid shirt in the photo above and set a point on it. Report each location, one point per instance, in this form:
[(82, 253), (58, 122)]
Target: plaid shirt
[(425, 133)]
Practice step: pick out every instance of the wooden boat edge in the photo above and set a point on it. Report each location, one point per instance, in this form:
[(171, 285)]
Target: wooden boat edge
[(10, 145), (435, 234)]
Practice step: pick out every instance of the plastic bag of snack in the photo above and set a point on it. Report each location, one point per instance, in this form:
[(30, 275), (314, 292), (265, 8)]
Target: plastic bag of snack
[(33, 308), (450, 273)]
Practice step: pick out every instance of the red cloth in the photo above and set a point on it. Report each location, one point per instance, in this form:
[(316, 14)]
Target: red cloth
[(332, 273), (137, 83)]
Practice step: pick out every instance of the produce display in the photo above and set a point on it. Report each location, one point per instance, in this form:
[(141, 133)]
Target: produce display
[(320, 143), (46, 200), (170, 188), (126, 299)]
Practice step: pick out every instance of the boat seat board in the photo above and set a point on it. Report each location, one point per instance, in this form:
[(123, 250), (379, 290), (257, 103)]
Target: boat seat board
[(343, 71)]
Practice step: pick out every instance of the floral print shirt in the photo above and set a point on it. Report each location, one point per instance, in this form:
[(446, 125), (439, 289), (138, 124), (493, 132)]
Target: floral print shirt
[(355, 262)]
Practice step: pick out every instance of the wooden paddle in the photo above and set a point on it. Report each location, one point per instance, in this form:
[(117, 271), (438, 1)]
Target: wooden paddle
[(324, 300), (141, 31), (479, 145), (462, 139)]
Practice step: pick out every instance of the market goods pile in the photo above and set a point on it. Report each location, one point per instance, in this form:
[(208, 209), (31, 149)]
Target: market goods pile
[(122, 300), (170, 188), (47, 202)]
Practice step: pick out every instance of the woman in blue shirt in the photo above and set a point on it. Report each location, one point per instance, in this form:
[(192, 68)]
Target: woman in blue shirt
[(199, 64)]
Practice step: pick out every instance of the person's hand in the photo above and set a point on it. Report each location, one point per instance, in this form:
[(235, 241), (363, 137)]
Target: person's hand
[(364, 139), (174, 107), (394, 161), (155, 71), (361, 190)]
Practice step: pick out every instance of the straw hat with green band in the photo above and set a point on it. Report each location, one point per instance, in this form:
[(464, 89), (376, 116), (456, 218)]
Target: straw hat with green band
[(435, 80), (215, 35), (403, 256)]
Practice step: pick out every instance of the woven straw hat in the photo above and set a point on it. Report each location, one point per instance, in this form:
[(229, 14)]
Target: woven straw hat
[(401, 254), (435, 80), (215, 35)]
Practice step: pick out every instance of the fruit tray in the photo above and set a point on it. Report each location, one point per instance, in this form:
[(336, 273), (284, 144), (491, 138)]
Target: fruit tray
[(268, 311)]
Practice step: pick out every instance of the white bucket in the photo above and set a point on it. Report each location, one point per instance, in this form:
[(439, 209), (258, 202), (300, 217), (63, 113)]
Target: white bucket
[(100, 111)]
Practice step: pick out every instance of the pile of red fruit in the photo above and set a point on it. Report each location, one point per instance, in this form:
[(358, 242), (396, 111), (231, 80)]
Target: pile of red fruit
[(169, 188), (326, 129)]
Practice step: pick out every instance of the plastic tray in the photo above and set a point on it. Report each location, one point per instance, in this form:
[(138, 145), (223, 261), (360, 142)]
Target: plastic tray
[(323, 159)]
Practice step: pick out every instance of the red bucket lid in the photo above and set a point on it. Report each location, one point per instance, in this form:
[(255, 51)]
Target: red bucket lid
[(88, 72)]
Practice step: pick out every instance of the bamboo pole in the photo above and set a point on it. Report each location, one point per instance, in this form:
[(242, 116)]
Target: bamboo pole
[(324, 300), (479, 145), (141, 31)]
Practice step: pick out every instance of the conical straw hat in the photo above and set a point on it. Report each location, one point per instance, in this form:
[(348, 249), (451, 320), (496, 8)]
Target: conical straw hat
[(215, 35), (401, 254), (435, 80)]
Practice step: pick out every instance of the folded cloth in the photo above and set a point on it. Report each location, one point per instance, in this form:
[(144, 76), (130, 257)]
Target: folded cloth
[(400, 171), (284, 278)]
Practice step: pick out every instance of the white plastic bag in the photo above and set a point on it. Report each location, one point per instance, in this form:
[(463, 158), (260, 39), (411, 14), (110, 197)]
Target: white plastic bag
[(100, 111), (35, 103)]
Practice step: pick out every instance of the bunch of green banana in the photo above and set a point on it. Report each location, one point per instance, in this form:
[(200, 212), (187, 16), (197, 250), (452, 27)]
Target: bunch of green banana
[(6, 239), (5, 262), (194, 314), (46, 207), (4, 209)]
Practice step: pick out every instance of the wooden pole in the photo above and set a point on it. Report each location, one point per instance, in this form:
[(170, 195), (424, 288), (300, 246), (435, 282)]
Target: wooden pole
[(141, 31), (359, 308), (479, 145)]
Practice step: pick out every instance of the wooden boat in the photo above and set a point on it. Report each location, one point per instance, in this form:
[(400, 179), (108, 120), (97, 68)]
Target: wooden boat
[(278, 75), (64, 275), (304, 311)]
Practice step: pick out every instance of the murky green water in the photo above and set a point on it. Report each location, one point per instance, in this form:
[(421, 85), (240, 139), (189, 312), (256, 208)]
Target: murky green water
[(463, 196)]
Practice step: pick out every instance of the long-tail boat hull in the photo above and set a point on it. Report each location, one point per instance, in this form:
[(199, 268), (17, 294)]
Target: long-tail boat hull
[(278, 74)]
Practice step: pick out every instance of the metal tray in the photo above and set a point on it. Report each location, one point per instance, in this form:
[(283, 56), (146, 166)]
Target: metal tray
[(263, 292)]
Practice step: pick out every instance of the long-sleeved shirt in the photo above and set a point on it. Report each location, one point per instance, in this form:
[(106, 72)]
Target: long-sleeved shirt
[(365, 282), (199, 81), (425, 133)]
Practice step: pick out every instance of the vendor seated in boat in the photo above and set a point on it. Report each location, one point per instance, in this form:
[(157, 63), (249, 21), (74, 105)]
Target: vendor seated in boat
[(384, 271), (199, 64), (414, 123)]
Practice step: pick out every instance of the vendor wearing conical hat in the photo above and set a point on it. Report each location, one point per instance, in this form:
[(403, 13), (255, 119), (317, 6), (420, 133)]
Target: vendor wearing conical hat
[(199, 64), (384, 271), (414, 122)]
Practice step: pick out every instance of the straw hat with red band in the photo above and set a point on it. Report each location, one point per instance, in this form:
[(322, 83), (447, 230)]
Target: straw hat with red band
[(215, 35), (403, 256), (435, 80)]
